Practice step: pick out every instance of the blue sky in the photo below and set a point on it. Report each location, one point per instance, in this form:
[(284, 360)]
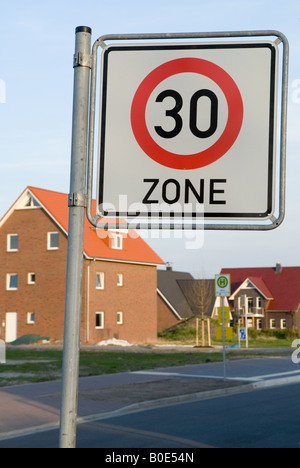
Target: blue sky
[(36, 81)]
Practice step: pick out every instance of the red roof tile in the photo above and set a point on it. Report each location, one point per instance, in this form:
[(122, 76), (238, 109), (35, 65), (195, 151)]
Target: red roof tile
[(97, 242), (284, 287)]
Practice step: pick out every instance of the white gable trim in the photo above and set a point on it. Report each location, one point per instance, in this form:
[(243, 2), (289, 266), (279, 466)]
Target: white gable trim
[(169, 304), (243, 286), (20, 204), (14, 207)]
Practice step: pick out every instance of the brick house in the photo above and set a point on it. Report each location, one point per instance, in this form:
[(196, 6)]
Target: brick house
[(119, 298), (271, 296)]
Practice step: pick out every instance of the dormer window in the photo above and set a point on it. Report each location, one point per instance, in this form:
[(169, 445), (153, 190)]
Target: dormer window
[(117, 241)]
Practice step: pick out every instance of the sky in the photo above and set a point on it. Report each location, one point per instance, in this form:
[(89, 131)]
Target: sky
[(36, 88)]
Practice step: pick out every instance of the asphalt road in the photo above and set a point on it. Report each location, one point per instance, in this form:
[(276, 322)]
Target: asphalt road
[(267, 417), (259, 419)]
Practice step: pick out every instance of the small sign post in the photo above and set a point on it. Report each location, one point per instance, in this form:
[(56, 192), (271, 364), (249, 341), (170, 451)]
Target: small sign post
[(245, 307), (223, 289), (242, 335)]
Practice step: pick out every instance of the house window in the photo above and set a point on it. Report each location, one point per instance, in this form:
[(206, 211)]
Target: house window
[(283, 324), (99, 320), (117, 241), (12, 243), (272, 324), (53, 241), (31, 278), (258, 302), (259, 324), (120, 279), (99, 280), (12, 282), (30, 318), (250, 305), (32, 203), (119, 318)]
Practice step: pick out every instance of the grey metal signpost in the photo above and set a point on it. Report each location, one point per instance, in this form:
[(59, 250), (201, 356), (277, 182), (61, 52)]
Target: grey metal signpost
[(77, 204)]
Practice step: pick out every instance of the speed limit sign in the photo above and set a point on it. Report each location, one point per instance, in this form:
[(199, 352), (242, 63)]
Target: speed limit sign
[(188, 129), (201, 68)]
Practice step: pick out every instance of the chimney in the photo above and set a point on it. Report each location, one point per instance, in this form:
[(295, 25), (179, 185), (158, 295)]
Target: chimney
[(278, 268), (169, 266)]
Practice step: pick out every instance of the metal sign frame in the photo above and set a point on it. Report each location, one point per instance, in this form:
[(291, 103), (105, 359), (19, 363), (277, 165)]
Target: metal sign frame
[(173, 224)]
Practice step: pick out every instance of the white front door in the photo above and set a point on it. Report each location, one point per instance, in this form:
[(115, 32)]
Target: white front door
[(11, 326)]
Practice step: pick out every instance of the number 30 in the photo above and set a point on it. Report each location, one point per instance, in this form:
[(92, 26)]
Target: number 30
[(174, 113)]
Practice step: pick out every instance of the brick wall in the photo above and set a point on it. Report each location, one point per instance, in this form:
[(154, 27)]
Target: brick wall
[(45, 298), (136, 299), (165, 317)]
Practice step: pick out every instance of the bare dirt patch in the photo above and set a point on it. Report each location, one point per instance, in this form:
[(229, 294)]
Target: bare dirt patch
[(154, 390)]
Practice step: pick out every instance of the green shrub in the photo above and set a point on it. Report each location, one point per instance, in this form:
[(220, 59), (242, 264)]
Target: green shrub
[(287, 334)]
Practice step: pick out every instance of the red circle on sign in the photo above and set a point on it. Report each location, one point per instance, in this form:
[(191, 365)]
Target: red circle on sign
[(220, 147)]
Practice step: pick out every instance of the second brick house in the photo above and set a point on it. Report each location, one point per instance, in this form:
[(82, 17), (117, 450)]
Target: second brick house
[(271, 296), (119, 275)]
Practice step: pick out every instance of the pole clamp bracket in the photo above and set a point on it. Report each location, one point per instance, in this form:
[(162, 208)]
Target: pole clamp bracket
[(77, 199), (82, 60)]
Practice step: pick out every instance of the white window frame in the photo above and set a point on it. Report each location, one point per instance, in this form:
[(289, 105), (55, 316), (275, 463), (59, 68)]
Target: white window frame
[(29, 278), (117, 241), (259, 324), (250, 303), (283, 325), (100, 279), (30, 318), (272, 324), (49, 240), (32, 203), (9, 237), (119, 318), (8, 281), (120, 280), (100, 327), (258, 300)]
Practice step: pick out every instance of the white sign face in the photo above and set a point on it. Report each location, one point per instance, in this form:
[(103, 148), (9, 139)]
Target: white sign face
[(223, 285), (188, 129)]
